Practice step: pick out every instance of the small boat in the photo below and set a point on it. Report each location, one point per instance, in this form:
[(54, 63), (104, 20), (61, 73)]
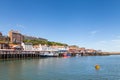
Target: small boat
[(78, 55), (48, 54), (66, 55)]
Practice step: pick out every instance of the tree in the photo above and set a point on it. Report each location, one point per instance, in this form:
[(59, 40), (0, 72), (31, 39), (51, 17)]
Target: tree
[(43, 42)]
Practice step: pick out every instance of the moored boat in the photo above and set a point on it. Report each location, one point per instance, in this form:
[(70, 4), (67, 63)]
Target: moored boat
[(49, 54)]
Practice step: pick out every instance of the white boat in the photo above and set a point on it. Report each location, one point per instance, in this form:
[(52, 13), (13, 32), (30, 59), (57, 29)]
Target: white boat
[(48, 54), (78, 55)]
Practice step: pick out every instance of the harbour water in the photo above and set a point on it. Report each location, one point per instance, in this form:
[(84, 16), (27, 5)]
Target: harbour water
[(71, 68)]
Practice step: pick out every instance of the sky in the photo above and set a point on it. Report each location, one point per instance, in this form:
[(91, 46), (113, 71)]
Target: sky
[(93, 24)]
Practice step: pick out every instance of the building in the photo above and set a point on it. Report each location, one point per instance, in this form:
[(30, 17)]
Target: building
[(90, 51), (73, 49), (15, 37), (31, 47), (3, 38), (4, 42), (0, 34), (27, 46), (4, 45), (59, 48), (37, 47), (82, 50)]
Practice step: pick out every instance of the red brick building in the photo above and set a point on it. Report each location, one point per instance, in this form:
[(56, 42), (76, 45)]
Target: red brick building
[(15, 37)]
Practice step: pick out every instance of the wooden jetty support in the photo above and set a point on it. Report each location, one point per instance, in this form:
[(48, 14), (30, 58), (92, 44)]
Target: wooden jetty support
[(5, 54)]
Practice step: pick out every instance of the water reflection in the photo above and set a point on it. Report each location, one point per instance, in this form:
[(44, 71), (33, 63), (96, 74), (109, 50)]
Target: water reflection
[(74, 68)]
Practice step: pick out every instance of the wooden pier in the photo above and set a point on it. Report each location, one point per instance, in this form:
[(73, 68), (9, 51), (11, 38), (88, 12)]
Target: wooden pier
[(5, 54), (9, 53)]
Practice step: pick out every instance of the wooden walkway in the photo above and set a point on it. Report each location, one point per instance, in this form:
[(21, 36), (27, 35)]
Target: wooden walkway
[(4, 54)]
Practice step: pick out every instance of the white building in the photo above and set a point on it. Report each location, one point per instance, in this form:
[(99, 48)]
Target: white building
[(37, 48), (27, 46), (30, 47)]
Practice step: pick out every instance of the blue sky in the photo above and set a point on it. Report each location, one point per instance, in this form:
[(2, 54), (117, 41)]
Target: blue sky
[(86, 23)]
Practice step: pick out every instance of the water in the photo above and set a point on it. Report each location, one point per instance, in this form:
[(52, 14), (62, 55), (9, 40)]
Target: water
[(74, 68)]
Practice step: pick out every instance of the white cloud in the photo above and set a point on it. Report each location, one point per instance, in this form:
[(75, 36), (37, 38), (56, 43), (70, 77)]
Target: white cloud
[(108, 45), (102, 42), (118, 36), (116, 40), (16, 26), (93, 32), (20, 26)]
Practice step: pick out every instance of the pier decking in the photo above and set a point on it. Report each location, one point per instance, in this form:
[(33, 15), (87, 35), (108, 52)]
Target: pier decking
[(4, 54)]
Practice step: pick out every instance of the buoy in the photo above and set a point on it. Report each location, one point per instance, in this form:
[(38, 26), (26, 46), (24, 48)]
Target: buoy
[(97, 67)]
